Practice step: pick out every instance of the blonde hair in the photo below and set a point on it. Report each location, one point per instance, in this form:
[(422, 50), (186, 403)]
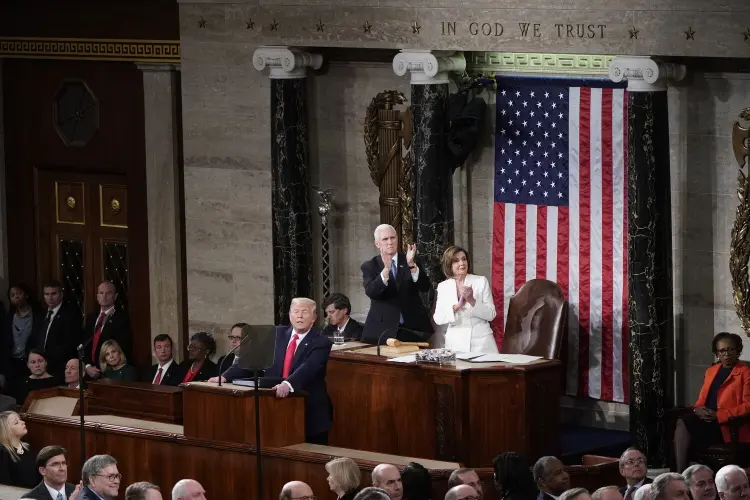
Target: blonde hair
[(305, 302), (103, 366), (6, 437), (345, 472), (447, 261)]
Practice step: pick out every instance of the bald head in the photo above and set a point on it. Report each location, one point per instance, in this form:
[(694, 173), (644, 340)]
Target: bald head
[(295, 489), (461, 492), (188, 489), (388, 477)]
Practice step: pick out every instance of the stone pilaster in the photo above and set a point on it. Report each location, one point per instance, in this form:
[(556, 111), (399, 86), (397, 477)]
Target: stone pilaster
[(432, 169), (650, 314), (4, 282), (164, 197), (290, 197)]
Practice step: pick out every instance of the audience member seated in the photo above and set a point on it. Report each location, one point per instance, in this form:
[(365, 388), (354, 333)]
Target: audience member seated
[(188, 489), (344, 477), (416, 482), (100, 477), (513, 480), (643, 493), (700, 482), (235, 337), (633, 469), (388, 478), (338, 310), (731, 482), (607, 493), (465, 476), (166, 371), (723, 395), (142, 491), (575, 494), (107, 324), (39, 378), (17, 328), (461, 492), (72, 373), (114, 364), (294, 490), (199, 367), (53, 466), (551, 478), (669, 486), (464, 303), (17, 460), (372, 493)]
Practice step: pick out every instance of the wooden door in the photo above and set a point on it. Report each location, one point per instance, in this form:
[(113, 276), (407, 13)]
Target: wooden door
[(83, 234)]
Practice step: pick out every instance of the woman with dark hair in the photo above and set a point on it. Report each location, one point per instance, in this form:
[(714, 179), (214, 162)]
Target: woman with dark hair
[(235, 337), (416, 481), (199, 366), (724, 395), (17, 334), (513, 479), (39, 378)]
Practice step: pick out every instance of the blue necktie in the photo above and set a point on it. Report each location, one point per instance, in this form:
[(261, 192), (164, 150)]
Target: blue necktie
[(394, 273), (59, 496)]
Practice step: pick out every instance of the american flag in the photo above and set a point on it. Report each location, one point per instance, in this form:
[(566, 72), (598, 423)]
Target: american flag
[(560, 214)]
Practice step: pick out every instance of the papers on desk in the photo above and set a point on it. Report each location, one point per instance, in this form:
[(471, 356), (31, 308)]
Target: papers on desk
[(411, 358), (466, 356), (514, 359)]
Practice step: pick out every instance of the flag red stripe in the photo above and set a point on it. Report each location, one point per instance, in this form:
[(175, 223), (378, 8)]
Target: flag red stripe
[(520, 271), (541, 242), (625, 331), (563, 258), (584, 235), (607, 370), (498, 272)]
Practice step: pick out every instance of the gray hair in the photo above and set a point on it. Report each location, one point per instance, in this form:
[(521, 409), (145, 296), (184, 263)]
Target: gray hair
[(375, 474), (690, 471), (572, 493), (94, 466), (643, 493), (179, 488), (621, 460), (372, 493), (660, 484), (454, 479), (137, 491), (376, 234), (453, 492), (540, 468), (721, 477), (598, 493)]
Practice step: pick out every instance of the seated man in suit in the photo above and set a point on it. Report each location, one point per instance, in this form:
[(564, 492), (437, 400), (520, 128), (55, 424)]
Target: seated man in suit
[(551, 478), (633, 469), (393, 281), (468, 477), (60, 333), (300, 363), (235, 338), (106, 324), (167, 370), (388, 478), (53, 467), (337, 309), (101, 478)]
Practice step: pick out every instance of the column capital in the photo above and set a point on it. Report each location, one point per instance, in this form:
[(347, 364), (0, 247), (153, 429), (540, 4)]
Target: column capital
[(428, 67), (285, 62), (644, 74), (157, 67)]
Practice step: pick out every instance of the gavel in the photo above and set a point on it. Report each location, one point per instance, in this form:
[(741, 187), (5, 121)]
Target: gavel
[(398, 343)]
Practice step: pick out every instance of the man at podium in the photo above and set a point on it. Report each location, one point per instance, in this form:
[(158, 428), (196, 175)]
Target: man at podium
[(299, 364)]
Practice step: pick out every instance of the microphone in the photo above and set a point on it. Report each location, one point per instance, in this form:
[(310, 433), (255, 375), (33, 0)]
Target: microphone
[(242, 341), (381, 337)]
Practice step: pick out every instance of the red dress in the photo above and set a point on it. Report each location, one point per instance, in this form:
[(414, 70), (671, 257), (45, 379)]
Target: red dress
[(190, 375)]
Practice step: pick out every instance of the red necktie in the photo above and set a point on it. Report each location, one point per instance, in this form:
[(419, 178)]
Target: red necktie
[(629, 493), (97, 335), (157, 380), (289, 356)]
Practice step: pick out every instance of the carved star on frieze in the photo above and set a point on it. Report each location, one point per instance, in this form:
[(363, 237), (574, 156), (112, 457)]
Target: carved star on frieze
[(274, 25), (690, 33), (320, 25), (367, 26), (746, 34), (415, 28), (202, 23), (250, 24), (633, 32)]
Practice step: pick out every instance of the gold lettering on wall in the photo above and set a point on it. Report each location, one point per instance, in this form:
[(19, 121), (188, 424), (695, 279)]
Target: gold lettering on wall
[(526, 29)]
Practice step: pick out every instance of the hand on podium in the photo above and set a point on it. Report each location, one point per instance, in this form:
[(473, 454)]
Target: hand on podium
[(215, 380), (282, 390)]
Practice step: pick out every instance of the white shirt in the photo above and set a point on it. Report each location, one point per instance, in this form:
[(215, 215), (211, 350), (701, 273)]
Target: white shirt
[(300, 338), (343, 327), (394, 260), (163, 371), (51, 318), (53, 492)]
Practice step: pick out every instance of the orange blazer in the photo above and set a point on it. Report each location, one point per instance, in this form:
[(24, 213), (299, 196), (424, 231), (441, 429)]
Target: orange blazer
[(733, 398)]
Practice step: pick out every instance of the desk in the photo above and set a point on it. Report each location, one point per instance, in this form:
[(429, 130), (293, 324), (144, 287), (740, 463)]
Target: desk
[(466, 413)]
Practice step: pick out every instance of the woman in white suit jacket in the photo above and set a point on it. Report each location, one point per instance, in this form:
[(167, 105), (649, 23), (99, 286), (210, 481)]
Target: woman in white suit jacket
[(464, 303)]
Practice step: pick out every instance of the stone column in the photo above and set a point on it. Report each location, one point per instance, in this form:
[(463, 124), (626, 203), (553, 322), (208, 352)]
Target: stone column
[(432, 170), (292, 219), (4, 282), (650, 314), (164, 197)]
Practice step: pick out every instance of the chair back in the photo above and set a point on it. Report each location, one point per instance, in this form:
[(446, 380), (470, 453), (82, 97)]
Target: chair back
[(537, 315)]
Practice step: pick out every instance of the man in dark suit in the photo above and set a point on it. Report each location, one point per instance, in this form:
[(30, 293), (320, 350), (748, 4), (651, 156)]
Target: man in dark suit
[(106, 324), (551, 478), (633, 469), (393, 281), (52, 464), (167, 370), (300, 362), (337, 309), (100, 478), (60, 332)]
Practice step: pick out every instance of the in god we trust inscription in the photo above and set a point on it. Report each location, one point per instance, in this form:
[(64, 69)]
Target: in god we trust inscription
[(525, 29)]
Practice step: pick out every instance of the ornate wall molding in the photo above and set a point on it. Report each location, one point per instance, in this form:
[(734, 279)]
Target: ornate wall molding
[(285, 62), (533, 62), (428, 67), (153, 51), (644, 74)]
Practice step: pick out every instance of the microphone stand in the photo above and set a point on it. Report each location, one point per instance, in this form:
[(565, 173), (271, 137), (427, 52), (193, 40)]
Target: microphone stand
[(381, 337), (258, 452), (81, 411)]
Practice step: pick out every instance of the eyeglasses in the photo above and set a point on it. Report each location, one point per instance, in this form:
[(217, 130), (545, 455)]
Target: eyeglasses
[(635, 461), (111, 477), (234, 337), (727, 350)]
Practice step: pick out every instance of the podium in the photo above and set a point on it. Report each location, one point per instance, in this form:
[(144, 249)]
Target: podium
[(227, 413), (160, 403)]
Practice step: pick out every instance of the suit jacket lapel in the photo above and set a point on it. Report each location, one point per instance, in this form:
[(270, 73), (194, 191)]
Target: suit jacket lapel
[(301, 348)]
